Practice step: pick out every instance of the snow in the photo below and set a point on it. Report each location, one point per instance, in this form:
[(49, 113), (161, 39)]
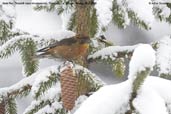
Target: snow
[(114, 99), (149, 102), (78, 102), (66, 16), (107, 100), (93, 76), (163, 55), (24, 82), (110, 99), (143, 57), (77, 68), (143, 9), (51, 94), (104, 12), (50, 109), (123, 10), (7, 12), (160, 86), (165, 11), (43, 76), (111, 52), (58, 35)]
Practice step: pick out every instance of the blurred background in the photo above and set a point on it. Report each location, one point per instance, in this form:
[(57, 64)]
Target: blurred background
[(49, 22)]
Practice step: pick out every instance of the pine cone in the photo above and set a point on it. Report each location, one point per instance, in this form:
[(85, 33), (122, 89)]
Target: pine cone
[(2, 107), (68, 87)]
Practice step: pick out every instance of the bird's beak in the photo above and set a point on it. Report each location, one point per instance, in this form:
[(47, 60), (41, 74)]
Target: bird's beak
[(109, 43)]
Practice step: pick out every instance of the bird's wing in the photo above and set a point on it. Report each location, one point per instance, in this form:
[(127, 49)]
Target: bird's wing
[(67, 41), (48, 47)]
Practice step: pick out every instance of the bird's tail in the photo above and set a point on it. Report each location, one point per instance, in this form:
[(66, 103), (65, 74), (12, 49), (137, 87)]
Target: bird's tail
[(42, 50), (42, 55)]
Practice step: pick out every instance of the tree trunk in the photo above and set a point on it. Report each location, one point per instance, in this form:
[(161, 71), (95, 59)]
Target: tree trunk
[(83, 8), (83, 17)]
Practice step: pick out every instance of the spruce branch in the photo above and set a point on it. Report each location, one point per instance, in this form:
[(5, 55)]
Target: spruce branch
[(91, 82), (118, 67), (52, 79), (137, 83), (137, 21), (112, 52), (4, 32), (119, 15), (15, 43), (13, 92), (20, 89), (37, 105), (158, 12), (163, 51), (27, 51), (10, 106), (93, 22), (72, 22), (53, 108)]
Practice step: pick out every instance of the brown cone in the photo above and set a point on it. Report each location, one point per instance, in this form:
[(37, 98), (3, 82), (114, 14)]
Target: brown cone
[(68, 88)]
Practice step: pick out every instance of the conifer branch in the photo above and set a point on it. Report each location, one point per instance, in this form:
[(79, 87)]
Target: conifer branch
[(11, 106), (27, 51), (45, 85)]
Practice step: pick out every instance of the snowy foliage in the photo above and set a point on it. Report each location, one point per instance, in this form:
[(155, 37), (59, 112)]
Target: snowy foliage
[(104, 12), (142, 9), (15, 42), (143, 57), (7, 12), (51, 95), (43, 77), (45, 88), (151, 97), (112, 52), (162, 10), (164, 56)]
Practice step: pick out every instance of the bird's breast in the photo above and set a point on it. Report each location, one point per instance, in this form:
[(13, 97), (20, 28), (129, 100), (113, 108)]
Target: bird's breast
[(71, 52)]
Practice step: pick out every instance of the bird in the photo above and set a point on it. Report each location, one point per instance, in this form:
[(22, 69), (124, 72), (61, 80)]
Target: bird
[(71, 49)]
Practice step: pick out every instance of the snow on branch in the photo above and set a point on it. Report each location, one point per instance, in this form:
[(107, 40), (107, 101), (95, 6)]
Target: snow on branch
[(163, 54), (7, 13), (143, 57), (28, 83), (162, 10), (94, 80), (138, 12), (22, 88), (104, 12), (55, 107), (143, 10), (20, 37), (112, 53), (112, 96), (120, 14), (46, 79), (50, 96)]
